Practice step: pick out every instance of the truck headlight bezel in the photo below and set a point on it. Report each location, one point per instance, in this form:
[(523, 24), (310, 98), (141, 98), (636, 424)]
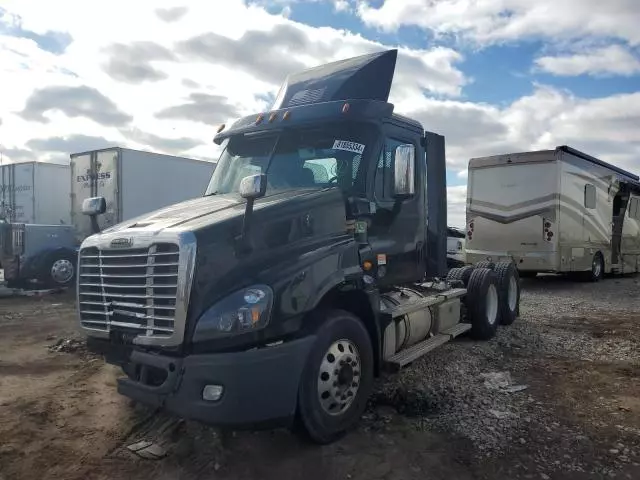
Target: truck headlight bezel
[(246, 310)]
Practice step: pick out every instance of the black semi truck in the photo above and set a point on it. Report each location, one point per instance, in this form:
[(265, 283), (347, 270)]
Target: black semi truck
[(315, 259)]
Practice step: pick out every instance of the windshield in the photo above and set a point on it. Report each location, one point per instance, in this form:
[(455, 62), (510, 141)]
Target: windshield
[(317, 157)]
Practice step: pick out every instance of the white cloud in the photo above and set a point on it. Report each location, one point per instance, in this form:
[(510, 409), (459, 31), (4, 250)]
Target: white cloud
[(341, 6), (162, 76), (494, 21), (456, 201), (548, 117), (610, 60), (170, 71)]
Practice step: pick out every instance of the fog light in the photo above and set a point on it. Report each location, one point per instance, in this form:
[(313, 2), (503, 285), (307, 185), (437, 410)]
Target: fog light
[(212, 393)]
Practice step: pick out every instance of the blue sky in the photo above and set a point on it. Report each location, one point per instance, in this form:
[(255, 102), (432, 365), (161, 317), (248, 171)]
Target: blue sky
[(493, 77)]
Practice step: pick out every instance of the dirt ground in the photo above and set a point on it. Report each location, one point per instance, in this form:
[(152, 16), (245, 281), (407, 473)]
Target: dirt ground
[(554, 396)]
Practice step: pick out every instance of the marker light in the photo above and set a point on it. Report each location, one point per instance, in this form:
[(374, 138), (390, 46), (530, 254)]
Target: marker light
[(272, 117), (220, 128), (259, 119), (345, 108), (286, 115), (367, 265)]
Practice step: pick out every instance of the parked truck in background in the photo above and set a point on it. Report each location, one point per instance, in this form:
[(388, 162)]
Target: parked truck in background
[(132, 182), (35, 192), (557, 211), (456, 256), (306, 268)]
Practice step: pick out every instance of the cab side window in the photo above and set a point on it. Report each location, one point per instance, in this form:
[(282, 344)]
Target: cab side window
[(385, 170)]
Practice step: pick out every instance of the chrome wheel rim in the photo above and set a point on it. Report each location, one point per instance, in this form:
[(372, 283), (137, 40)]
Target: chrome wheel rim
[(513, 293), (62, 271), (492, 304), (339, 377)]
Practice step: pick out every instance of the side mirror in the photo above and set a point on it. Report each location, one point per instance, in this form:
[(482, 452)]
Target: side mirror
[(253, 186), (94, 206), (404, 163)]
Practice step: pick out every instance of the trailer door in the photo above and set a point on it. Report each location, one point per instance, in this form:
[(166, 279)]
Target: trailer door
[(94, 174), (24, 193), (17, 197)]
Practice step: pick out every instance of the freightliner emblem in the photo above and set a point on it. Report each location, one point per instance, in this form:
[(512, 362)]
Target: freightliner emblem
[(121, 242)]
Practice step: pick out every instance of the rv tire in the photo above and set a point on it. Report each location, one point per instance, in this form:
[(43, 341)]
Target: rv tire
[(597, 268), (482, 304)]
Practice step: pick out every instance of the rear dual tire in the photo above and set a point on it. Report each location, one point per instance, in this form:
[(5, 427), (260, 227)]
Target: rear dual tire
[(508, 291), (482, 303), (480, 297)]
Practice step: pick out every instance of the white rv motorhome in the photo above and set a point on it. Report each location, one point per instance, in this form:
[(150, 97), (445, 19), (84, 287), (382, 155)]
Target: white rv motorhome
[(557, 211)]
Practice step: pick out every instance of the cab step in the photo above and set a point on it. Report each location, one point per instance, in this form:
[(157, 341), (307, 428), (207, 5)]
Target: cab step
[(410, 354), (458, 329)]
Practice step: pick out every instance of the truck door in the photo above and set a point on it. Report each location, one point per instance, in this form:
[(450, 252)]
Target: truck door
[(396, 233)]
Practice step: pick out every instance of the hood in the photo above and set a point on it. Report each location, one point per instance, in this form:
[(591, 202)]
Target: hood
[(201, 212)]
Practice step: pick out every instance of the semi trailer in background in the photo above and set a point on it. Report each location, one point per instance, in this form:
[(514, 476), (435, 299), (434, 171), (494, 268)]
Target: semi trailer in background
[(132, 182), (35, 192), (557, 211), (456, 256)]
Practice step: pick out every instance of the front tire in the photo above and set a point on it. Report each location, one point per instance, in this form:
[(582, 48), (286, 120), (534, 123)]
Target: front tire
[(337, 379), (59, 270)]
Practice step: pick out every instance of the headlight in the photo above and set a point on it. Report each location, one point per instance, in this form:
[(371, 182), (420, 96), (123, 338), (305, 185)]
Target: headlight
[(246, 310)]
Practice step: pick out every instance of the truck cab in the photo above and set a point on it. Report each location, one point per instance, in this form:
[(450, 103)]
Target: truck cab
[(316, 258)]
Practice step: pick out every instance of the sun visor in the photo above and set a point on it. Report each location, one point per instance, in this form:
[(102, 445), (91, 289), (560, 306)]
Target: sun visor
[(367, 77)]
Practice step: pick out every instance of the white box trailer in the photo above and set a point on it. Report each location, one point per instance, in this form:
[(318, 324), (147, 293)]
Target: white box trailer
[(35, 192), (555, 211), (132, 182)]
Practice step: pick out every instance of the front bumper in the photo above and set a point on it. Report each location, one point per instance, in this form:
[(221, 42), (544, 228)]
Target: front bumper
[(260, 385)]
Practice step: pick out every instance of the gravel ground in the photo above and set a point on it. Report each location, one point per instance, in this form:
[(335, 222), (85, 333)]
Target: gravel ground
[(493, 394), (554, 396)]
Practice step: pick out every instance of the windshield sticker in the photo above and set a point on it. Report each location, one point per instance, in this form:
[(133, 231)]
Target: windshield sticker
[(348, 146)]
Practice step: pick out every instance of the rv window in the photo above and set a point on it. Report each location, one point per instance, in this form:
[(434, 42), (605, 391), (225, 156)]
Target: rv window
[(589, 196)]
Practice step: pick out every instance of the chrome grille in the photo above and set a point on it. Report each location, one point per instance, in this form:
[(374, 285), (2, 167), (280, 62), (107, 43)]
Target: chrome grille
[(132, 290)]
